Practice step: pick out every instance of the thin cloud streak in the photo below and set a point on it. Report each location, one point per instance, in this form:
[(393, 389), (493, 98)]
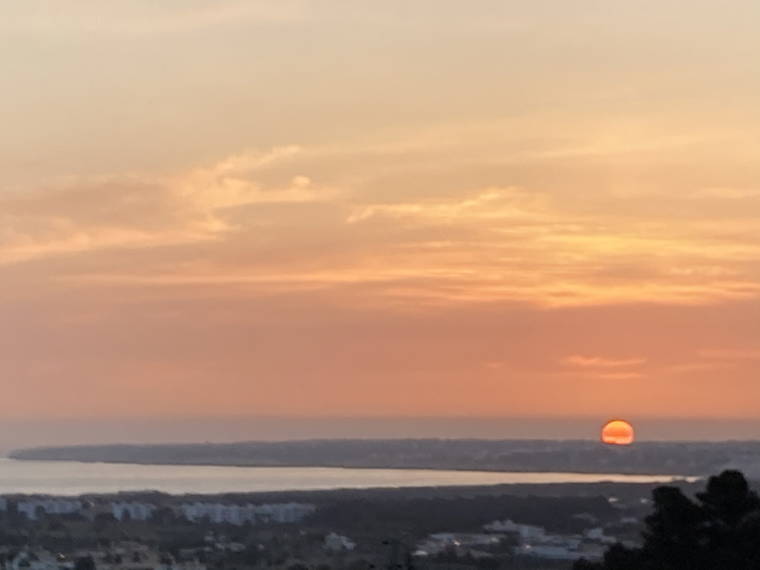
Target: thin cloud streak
[(601, 362), (505, 244)]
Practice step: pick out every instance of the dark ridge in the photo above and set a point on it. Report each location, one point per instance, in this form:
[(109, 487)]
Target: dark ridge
[(580, 456)]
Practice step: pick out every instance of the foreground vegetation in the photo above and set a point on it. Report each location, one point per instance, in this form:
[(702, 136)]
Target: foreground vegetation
[(719, 529)]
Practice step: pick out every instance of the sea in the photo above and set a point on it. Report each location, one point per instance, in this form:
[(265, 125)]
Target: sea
[(74, 478)]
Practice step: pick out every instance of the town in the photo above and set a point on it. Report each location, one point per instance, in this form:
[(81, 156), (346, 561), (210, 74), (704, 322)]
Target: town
[(511, 526)]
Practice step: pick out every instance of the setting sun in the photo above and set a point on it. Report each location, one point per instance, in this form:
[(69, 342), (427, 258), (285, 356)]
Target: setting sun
[(617, 432)]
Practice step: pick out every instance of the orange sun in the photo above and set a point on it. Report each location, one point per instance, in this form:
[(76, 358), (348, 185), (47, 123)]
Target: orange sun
[(617, 432)]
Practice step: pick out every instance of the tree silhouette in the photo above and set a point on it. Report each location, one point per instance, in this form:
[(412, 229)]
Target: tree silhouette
[(720, 530)]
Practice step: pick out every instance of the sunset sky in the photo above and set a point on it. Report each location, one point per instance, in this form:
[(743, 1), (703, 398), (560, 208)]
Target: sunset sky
[(427, 208)]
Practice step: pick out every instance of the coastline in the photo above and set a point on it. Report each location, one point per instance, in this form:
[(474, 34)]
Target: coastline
[(364, 467)]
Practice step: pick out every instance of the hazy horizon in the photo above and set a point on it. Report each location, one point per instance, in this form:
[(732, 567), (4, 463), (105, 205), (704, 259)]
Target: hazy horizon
[(30, 433)]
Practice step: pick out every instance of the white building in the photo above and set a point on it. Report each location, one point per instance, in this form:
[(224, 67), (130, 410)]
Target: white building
[(132, 511), (219, 513), (338, 543), (457, 541), (550, 552), (535, 542), (597, 534), (526, 532), (465, 539), (33, 507)]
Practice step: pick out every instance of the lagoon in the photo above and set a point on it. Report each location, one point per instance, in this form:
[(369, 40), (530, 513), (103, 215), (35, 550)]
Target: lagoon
[(74, 478)]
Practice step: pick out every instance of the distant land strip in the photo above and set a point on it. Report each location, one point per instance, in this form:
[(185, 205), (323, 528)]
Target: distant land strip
[(577, 456)]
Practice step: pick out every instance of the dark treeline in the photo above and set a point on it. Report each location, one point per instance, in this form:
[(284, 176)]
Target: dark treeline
[(718, 529), (420, 516), (677, 458)]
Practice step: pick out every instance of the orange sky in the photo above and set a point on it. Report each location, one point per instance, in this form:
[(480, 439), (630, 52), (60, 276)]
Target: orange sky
[(428, 208)]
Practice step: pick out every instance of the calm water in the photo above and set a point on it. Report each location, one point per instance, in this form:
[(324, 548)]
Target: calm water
[(71, 478)]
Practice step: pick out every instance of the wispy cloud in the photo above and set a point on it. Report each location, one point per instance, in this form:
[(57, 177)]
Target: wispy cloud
[(619, 376), (601, 362), (489, 204), (93, 215), (290, 218)]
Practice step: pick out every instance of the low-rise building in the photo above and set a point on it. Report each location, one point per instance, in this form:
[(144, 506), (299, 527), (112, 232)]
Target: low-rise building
[(132, 511), (219, 513), (525, 531), (550, 552), (338, 543), (33, 508)]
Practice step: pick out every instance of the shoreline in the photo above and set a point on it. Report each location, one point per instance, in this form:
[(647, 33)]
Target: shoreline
[(487, 470)]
